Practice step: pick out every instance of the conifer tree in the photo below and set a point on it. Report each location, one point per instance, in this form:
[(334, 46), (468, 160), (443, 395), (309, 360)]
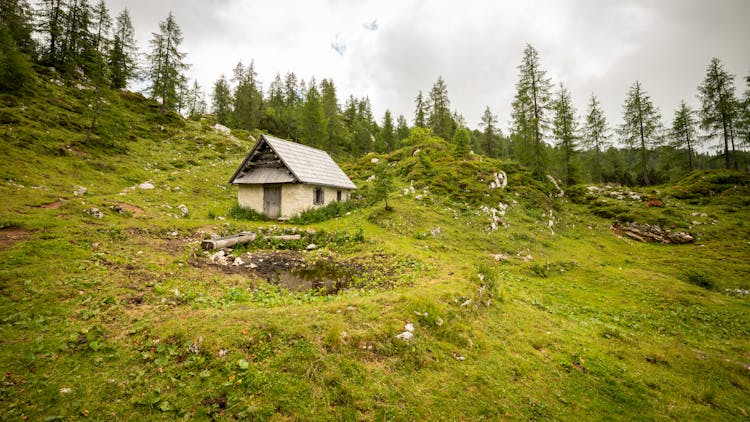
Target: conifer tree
[(17, 17), (565, 130), (461, 141), (489, 122), (440, 120), (312, 119), (745, 114), (641, 126), (97, 63), (334, 126), (596, 135), (122, 57), (718, 106), (166, 64), (221, 102), (52, 28), (387, 136), (195, 102), (530, 108), (420, 112), (78, 46), (684, 133), (402, 129), (248, 99)]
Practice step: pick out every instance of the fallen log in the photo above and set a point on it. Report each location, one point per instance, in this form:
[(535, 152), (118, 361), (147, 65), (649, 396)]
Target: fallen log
[(647, 233), (228, 241)]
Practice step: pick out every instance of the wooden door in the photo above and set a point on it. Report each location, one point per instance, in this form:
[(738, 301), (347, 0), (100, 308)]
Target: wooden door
[(272, 201)]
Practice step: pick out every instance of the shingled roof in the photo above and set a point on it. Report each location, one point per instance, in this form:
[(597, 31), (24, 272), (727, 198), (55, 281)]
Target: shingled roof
[(302, 164)]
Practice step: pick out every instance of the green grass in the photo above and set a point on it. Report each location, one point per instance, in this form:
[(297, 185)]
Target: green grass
[(122, 317)]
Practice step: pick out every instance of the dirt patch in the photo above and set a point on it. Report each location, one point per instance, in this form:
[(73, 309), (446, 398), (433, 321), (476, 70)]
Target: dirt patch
[(53, 205), (297, 271), (11, 235), (132, 209)]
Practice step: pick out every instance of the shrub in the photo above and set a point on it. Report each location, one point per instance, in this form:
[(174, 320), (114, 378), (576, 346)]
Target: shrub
[(239, 213), (332, 210), (700, 279)]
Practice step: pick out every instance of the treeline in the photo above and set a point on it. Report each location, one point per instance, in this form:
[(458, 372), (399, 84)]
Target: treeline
[(82, 42)]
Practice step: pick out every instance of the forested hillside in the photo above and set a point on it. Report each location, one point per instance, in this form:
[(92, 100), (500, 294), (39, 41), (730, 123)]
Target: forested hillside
[(474, 275)]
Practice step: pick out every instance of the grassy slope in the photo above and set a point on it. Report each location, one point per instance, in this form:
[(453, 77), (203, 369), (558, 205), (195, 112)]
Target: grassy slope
[(594, 326)]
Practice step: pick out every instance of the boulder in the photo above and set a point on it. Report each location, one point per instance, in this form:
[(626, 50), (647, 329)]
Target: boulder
[(650, 233)]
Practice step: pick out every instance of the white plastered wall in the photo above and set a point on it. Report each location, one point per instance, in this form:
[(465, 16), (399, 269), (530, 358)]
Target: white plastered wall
[(295, 197)]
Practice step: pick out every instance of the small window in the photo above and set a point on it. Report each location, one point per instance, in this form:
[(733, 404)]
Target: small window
[(318, 198), (338, 195)]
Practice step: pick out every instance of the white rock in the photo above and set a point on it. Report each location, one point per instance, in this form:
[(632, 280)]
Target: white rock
[(238, 261), (80, 191), (183, 209), (409, 327), (219, 128), (405, 336), (146, 185), (311, 246), (374, 160)]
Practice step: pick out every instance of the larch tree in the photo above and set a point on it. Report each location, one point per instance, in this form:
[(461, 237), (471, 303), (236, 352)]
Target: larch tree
[(489, 123), (51, 26), (17, 17), (78, 46), (684, 131), (565, 131), (420, 111), (123, 56), (167, 64), (641, 126), (718, 110), (596, 136), (221, 102), (440, 119), (530, 108), (102, 23), (745, 114)]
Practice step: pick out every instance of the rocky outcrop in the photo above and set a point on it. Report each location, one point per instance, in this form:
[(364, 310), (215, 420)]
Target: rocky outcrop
[(647, 233)]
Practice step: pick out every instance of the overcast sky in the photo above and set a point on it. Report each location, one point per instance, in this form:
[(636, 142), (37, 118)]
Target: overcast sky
[(389, 50)]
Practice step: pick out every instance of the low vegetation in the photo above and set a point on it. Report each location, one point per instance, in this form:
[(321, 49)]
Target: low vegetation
[(484, 293)]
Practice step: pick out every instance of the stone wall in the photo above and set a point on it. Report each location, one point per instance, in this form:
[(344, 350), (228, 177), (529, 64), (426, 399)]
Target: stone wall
[(295, 197)]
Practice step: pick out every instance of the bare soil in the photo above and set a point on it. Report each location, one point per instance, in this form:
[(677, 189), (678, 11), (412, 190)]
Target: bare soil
[(12, 235), (53, 205)]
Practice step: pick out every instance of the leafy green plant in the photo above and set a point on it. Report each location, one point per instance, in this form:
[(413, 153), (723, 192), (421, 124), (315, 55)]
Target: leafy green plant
[(332, 210), (239, 213), (699, 279)]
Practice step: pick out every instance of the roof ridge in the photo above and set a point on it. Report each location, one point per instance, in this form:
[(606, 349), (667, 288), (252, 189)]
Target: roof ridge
[(296, 144)]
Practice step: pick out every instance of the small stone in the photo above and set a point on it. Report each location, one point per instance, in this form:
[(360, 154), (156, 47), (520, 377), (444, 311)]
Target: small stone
[(183, 209), (311, 246), (80, 191), (374, 160), (146, 185), (405, 336)]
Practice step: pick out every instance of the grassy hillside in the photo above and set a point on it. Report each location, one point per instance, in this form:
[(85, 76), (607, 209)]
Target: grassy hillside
[(548, 315)]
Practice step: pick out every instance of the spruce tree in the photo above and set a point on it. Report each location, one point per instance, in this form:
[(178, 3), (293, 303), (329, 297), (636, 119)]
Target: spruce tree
[(718, 111), (530, 108), (78, 39), (440, 120), (596, 135), (461, 141), (195, 103), (420, 111), (166, 64), (247, 99), (684, 133), (565, 130), (489, 122), (221, 102), (641, 126), (402, 129), (312, 118), (387, 135), (334, 126), (122, 57)]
